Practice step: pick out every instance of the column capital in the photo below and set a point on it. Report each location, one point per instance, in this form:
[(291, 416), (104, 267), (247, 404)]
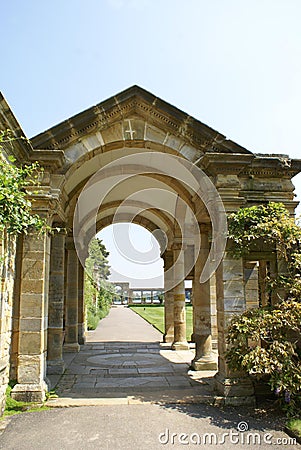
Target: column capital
[(59, 228), (70, 243)]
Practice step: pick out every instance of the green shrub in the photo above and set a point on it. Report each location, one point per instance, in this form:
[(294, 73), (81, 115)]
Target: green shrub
[(265, 341)]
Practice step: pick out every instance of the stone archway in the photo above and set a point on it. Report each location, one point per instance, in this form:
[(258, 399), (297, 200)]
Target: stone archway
[(49, 276)]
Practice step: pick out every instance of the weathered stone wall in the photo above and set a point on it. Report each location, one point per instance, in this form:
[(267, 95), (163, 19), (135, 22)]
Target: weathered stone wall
[(7, 271)]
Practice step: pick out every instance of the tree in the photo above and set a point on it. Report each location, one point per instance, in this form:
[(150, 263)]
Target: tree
[(97, 263), (266, 340), (98, 291)]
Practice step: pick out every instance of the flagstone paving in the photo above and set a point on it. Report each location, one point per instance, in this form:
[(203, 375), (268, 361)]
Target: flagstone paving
[(124, 357)]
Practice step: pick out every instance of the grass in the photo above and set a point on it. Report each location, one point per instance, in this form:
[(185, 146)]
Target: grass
[(154, 314), (13, 407), (295, 426)]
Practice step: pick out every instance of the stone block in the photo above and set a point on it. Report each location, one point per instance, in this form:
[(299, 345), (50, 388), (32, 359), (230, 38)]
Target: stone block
[(233, 387), (32, 305), (30, 392), (33, 243), (30, 368), (30, 343), (32, 286), (32, 269), (234, 304), (31, 324), (154, 134), (113, 133), (56, 367), (234, 288)]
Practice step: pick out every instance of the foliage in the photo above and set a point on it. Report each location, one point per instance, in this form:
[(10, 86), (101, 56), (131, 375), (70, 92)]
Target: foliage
[(98, 291), (13, 407), (295, 426), (15, 207), (97, 264), (271, 224), (266, 340)]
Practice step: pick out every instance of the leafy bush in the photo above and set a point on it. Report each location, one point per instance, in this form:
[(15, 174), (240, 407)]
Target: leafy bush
[(15, 207), (266, 340)]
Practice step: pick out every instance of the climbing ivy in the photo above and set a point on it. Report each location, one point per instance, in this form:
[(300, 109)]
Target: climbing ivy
[(269, 224), (15, 208)]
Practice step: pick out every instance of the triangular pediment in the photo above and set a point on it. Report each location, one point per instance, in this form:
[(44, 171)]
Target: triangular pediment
[(136, 114)]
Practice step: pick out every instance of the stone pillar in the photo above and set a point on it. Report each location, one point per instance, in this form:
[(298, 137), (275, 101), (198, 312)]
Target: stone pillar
[(214, 332), (14, 349), (262, 282), (71, 324), (33, 309), (180, 342), (204, 359), (81, 306), (235, 387), (168, 298), (251, 284), (55, 362)]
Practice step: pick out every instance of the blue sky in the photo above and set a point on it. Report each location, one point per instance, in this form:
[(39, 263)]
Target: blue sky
[(233, 64)]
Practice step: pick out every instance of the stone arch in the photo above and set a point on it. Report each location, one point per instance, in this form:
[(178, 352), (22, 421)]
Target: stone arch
[(132, 121)]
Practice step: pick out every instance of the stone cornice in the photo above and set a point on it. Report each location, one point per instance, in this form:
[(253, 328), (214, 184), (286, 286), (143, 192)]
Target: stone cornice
[(273, 166), (250, 165), (21, 148), (136, 101), (216, 163)]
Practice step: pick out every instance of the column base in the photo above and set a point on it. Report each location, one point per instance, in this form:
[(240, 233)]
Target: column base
[(56, 367), (82, 340), (168, 338), (30, 392), (71, 348), (180, 346), (236, 391), (81, 334), (204, 363)]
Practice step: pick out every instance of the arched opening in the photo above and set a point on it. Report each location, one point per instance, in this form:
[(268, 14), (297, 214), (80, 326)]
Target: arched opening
[(136, 159)]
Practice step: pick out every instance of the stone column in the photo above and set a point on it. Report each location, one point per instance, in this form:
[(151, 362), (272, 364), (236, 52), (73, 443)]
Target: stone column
[(33, 310), (81, 306), (204, 359), (71, 324), (214, 332), (55, 362), (180, 342), (251, 284), (236, 387), (262, 276), (168, 298)]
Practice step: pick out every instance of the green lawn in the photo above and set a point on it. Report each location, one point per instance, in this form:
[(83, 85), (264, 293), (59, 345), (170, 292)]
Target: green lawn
[(295, 426), (154, 314)]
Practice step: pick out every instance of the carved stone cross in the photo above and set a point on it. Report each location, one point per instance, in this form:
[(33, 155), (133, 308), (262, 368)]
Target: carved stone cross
[(130, 130)]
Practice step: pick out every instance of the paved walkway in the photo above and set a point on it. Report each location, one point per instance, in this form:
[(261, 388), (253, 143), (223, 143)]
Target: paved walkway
[(123, 361), (143, 427), (124, 369)]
